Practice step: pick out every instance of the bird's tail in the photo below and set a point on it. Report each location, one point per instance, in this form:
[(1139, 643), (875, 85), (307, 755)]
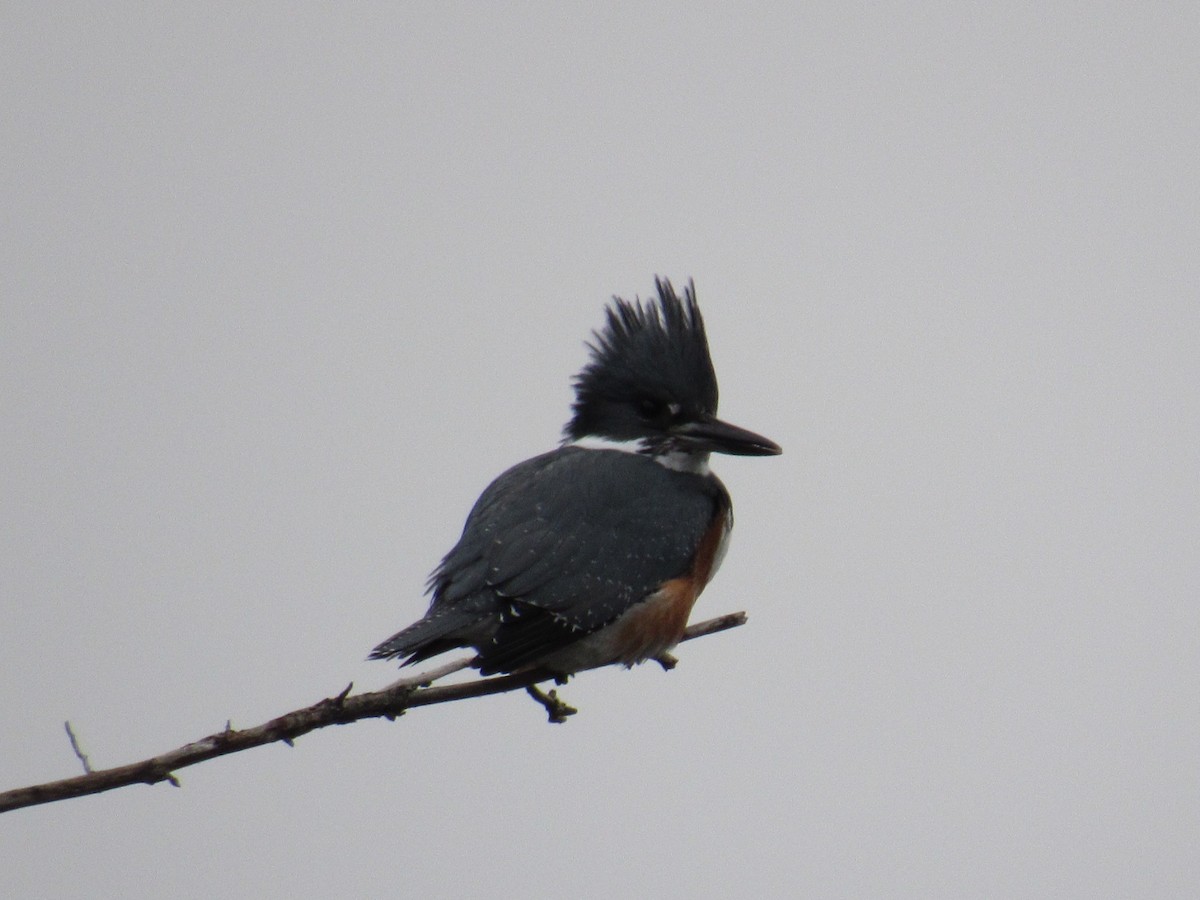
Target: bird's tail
[(428, 637)]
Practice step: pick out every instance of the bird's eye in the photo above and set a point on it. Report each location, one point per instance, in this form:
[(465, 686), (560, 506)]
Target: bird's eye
[(654, 410)]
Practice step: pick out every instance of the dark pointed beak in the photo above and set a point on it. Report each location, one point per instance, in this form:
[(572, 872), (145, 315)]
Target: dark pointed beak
[(720, 437)]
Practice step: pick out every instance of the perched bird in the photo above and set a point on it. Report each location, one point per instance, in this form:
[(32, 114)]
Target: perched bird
[(595, 552)]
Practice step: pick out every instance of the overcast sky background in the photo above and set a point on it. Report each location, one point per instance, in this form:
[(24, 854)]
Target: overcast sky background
[(284, 286)]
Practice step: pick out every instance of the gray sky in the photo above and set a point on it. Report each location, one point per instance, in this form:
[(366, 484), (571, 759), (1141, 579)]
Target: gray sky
[(283, 287)]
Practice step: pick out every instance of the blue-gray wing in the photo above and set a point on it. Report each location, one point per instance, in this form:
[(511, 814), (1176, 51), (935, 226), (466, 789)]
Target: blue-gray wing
[(559, 546)]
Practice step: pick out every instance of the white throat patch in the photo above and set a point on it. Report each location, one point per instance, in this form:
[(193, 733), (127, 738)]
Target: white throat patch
[(595, 442), (696, 463)]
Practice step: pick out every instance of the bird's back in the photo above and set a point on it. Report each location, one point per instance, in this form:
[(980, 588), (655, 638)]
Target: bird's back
[(558, 547)]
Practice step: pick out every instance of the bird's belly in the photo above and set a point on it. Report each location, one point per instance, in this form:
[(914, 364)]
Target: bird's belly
[(644, 631)]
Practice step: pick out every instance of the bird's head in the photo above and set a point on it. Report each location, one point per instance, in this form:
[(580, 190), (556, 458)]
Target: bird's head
[(650, 385)]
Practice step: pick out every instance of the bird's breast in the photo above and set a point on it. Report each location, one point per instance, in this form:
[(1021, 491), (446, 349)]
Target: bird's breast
[(655, 624)]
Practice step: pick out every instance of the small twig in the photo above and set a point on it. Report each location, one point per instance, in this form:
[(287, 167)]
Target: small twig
[(340, 709), (424, 679), (556, 709), (87, 766), (712, 626), (668, 661)]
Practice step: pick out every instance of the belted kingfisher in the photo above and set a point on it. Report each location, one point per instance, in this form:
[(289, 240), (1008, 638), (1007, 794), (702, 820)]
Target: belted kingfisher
[(595, 552)]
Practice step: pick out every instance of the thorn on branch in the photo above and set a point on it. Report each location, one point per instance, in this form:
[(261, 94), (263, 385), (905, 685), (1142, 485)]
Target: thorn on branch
[(556, 710)]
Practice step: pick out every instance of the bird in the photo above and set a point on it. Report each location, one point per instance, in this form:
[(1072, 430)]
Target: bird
[(594, 553)]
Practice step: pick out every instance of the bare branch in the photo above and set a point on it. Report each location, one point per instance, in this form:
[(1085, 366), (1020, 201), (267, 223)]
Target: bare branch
[(341, 709), (556, 710)]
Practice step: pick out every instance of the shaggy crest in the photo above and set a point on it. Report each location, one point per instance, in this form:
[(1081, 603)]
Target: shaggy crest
[(656, 352)]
